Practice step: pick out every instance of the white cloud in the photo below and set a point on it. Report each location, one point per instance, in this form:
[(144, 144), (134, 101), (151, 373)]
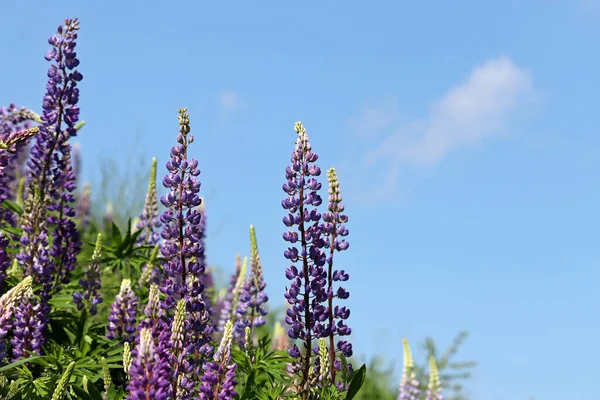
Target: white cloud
[(229, 100), (478, 108)]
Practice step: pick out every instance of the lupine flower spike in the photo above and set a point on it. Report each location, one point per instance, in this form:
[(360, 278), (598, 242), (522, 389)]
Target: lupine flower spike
[(409, 386), (123, 313), (253, 296), (218, 381), (181, 247), (90, 296), (61, 386), (307, 291), (434, 389), (149, 221), (148, 371), (7, 306)]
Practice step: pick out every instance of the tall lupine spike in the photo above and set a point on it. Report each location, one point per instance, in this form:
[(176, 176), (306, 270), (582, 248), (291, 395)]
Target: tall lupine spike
[(61, 386), (149, 221), (334, 232), (182, 248), (307, 314), (409, 386), (91, 285), (123, 313), (8, 301), (218, 381), (254, 296), (237, 307), (106, 378), (434, 389), (50, 181), (226, 306), (149, 371)]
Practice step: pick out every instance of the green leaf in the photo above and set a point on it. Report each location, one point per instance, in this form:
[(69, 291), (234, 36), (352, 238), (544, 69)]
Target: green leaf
[(116, 236), (358, 378), (20, 362), (12, 206)]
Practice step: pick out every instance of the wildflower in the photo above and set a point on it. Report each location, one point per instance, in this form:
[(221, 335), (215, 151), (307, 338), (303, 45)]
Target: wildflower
[(149, 371), (254, 296), (7, 308), (51, 181), (123, 312), (218, 381), (409, 386), (307, 291), (232, 294), (182, 247), (61, 386), (92, 283), (149, 221), (434, 389)]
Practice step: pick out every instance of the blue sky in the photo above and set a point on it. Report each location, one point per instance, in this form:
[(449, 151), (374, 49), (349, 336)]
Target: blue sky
[(465, 136)]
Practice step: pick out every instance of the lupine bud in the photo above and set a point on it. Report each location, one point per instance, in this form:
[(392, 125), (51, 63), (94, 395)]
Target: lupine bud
[(434, 389), (126, 358), (59, 392), (409, 386), (149, 221), (253, 296), (106, 378)]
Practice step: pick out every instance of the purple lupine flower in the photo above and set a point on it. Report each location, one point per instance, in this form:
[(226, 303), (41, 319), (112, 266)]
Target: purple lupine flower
[(149, 222), (11, 142), (7, 307), (434, 389), (218, 381), (92, 283), (334, 232), (235, 310), (14, 126), (66, 242), (226, 305), (182, 248), (307, 292), (253, 296), (5, 260), (28, 328), (50, 181), (148, 371), (409, 386), (123, 313)]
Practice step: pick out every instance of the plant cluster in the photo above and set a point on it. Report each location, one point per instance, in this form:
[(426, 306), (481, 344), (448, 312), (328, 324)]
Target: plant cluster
[(95, 312)]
